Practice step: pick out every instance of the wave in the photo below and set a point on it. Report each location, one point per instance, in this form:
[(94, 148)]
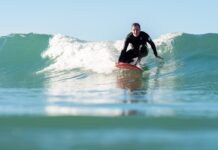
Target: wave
[(20, 58), (27, 59)]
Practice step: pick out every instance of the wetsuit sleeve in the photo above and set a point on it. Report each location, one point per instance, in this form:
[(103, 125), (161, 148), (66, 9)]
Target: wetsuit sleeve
[(152, 46), (126, 43)]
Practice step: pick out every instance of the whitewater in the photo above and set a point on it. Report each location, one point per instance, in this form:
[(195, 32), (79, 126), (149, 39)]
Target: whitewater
[(61, 86)]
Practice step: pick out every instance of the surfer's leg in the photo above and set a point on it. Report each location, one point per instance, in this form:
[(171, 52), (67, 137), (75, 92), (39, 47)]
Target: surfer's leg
[(127, 57), (144, 51), (122, 57)]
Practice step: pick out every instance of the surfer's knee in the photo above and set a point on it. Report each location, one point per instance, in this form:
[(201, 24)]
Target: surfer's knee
[(122, 56), (144, 51)]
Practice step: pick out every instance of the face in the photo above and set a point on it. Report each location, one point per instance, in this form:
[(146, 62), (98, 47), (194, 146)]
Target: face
[(135, 31)]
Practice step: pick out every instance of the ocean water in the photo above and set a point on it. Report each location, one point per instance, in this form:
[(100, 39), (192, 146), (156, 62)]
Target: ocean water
[(60, 92)]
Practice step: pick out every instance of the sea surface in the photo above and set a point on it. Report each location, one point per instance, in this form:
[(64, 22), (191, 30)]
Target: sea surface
[(60, 92)]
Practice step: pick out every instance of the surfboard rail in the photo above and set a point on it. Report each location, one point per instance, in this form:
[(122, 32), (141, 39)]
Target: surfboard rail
[(122, 65)]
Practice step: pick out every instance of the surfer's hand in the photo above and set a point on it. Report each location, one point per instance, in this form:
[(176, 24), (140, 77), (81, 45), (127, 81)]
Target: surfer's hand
[(138, 61)]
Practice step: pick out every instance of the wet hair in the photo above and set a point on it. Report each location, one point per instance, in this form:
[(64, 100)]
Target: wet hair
[(136, 25)]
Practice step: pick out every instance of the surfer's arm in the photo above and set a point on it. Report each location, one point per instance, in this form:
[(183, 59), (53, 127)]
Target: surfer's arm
[(126, 43), (154, 48)]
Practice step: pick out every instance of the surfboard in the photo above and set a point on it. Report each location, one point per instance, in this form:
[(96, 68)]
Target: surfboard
[(122, 65)]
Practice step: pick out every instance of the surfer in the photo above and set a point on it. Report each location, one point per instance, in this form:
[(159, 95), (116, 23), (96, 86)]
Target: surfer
[(138, 40)]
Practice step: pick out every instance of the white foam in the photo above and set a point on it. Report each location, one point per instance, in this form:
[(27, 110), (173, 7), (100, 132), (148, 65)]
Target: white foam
[(165, 41), (167, 38), (70, 53)]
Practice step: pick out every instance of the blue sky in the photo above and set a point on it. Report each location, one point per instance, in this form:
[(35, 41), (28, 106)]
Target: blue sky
[(107, 19)]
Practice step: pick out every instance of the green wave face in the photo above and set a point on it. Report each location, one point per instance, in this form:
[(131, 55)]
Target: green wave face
[(20, 58)]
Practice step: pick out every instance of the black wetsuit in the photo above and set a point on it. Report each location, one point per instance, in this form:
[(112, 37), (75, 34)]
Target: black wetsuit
[(139, 47)]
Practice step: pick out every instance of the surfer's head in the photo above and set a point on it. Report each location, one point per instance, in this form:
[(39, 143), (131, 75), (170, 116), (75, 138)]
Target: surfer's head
[(135, 29)]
